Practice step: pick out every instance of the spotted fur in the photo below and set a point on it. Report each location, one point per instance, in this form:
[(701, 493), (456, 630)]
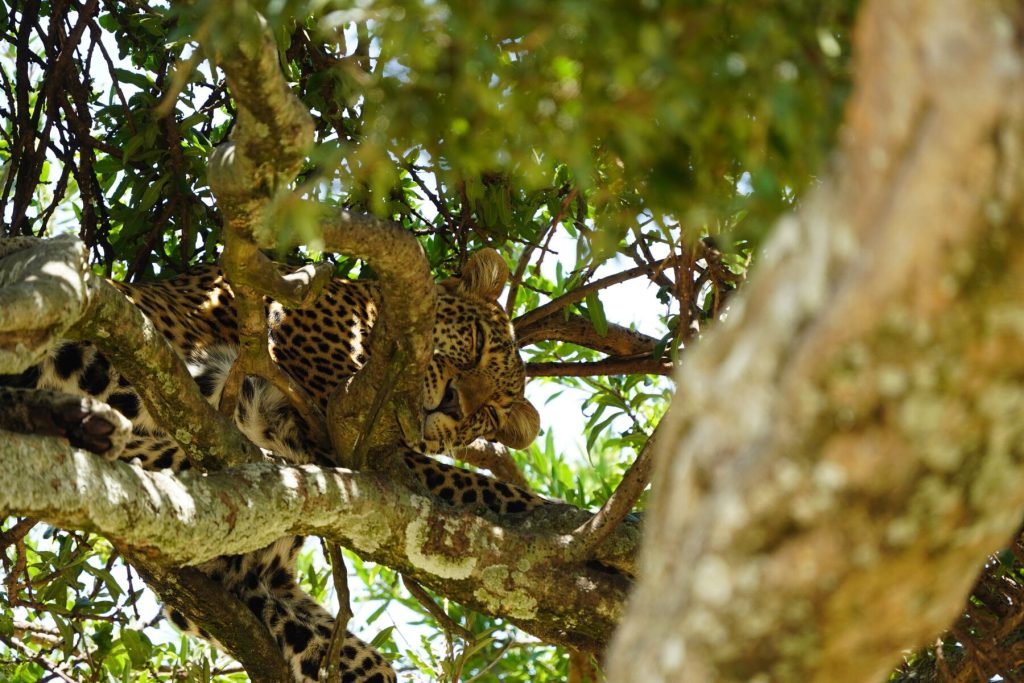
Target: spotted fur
[(473, 388)]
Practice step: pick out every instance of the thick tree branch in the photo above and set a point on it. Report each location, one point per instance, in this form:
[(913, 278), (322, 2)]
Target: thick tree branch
[(50, 280), (266, 151), (402, 341), (269, 141), (877, 458), (132, 344), (617, 341), (44, 289), (511, 568)]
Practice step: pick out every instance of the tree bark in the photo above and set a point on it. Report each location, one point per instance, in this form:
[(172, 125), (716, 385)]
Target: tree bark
[(510, 567), (843, 514), (48, 293)]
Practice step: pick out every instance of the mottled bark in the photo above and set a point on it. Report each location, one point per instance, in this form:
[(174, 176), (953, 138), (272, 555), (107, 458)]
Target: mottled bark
[(513, 567), (400, 347), (843, 513), (47, 293), (43, 290)]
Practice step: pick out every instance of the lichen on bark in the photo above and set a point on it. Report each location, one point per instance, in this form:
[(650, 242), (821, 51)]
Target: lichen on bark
[(842, 515)]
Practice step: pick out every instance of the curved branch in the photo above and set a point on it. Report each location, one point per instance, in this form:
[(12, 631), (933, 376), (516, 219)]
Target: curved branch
[(268, 142), (264, 154), (608, 366), (576, 329), (511, 567), (44, 289), (402, 341)]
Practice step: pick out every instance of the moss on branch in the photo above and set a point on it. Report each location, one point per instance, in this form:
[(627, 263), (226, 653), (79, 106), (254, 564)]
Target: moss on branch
[(49, 293), (509, 567)]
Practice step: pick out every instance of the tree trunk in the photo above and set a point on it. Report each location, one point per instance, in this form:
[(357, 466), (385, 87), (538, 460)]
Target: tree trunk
[(843, 514)]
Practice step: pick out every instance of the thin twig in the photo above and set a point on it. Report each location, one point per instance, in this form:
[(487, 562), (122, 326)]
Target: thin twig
[(524, 258), (330, 666), (494, 661), (37, 657), (581, 293), (591, 533), (446, 622)]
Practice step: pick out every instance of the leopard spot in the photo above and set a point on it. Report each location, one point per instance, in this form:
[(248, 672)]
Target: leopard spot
[(126, 403), (297, 635), (166, 459), (68, 360)]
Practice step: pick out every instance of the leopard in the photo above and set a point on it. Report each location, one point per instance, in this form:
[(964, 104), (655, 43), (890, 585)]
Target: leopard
[(473, 389)]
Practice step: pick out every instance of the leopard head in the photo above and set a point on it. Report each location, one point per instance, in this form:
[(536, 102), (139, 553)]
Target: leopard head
[(474, 385)]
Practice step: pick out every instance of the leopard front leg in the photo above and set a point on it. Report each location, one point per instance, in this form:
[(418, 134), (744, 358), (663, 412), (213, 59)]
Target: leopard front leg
[(85, 422)]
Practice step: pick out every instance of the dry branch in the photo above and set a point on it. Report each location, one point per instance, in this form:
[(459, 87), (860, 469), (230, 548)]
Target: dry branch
[(591, 533), (330, 667), (617, 340), (607, 366)]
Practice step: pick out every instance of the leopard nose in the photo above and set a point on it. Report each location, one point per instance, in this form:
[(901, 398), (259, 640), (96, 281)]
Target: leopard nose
[(449, 404)]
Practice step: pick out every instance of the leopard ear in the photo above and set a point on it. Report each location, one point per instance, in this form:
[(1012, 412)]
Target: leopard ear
[(484, 275), (521, 425)]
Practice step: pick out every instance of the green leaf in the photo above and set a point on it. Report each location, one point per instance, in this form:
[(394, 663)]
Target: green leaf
[(137, 645), (139, 80), (596, 311), (382, 636), (152, 193)]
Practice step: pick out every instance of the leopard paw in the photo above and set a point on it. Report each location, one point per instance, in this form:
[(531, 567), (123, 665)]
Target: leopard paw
[(92, 425)]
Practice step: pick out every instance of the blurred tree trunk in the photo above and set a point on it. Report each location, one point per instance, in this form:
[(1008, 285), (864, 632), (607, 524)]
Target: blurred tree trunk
[(844, 513)]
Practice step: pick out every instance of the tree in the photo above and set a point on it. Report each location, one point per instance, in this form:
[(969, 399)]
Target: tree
[(868, 364), (840, 517)]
